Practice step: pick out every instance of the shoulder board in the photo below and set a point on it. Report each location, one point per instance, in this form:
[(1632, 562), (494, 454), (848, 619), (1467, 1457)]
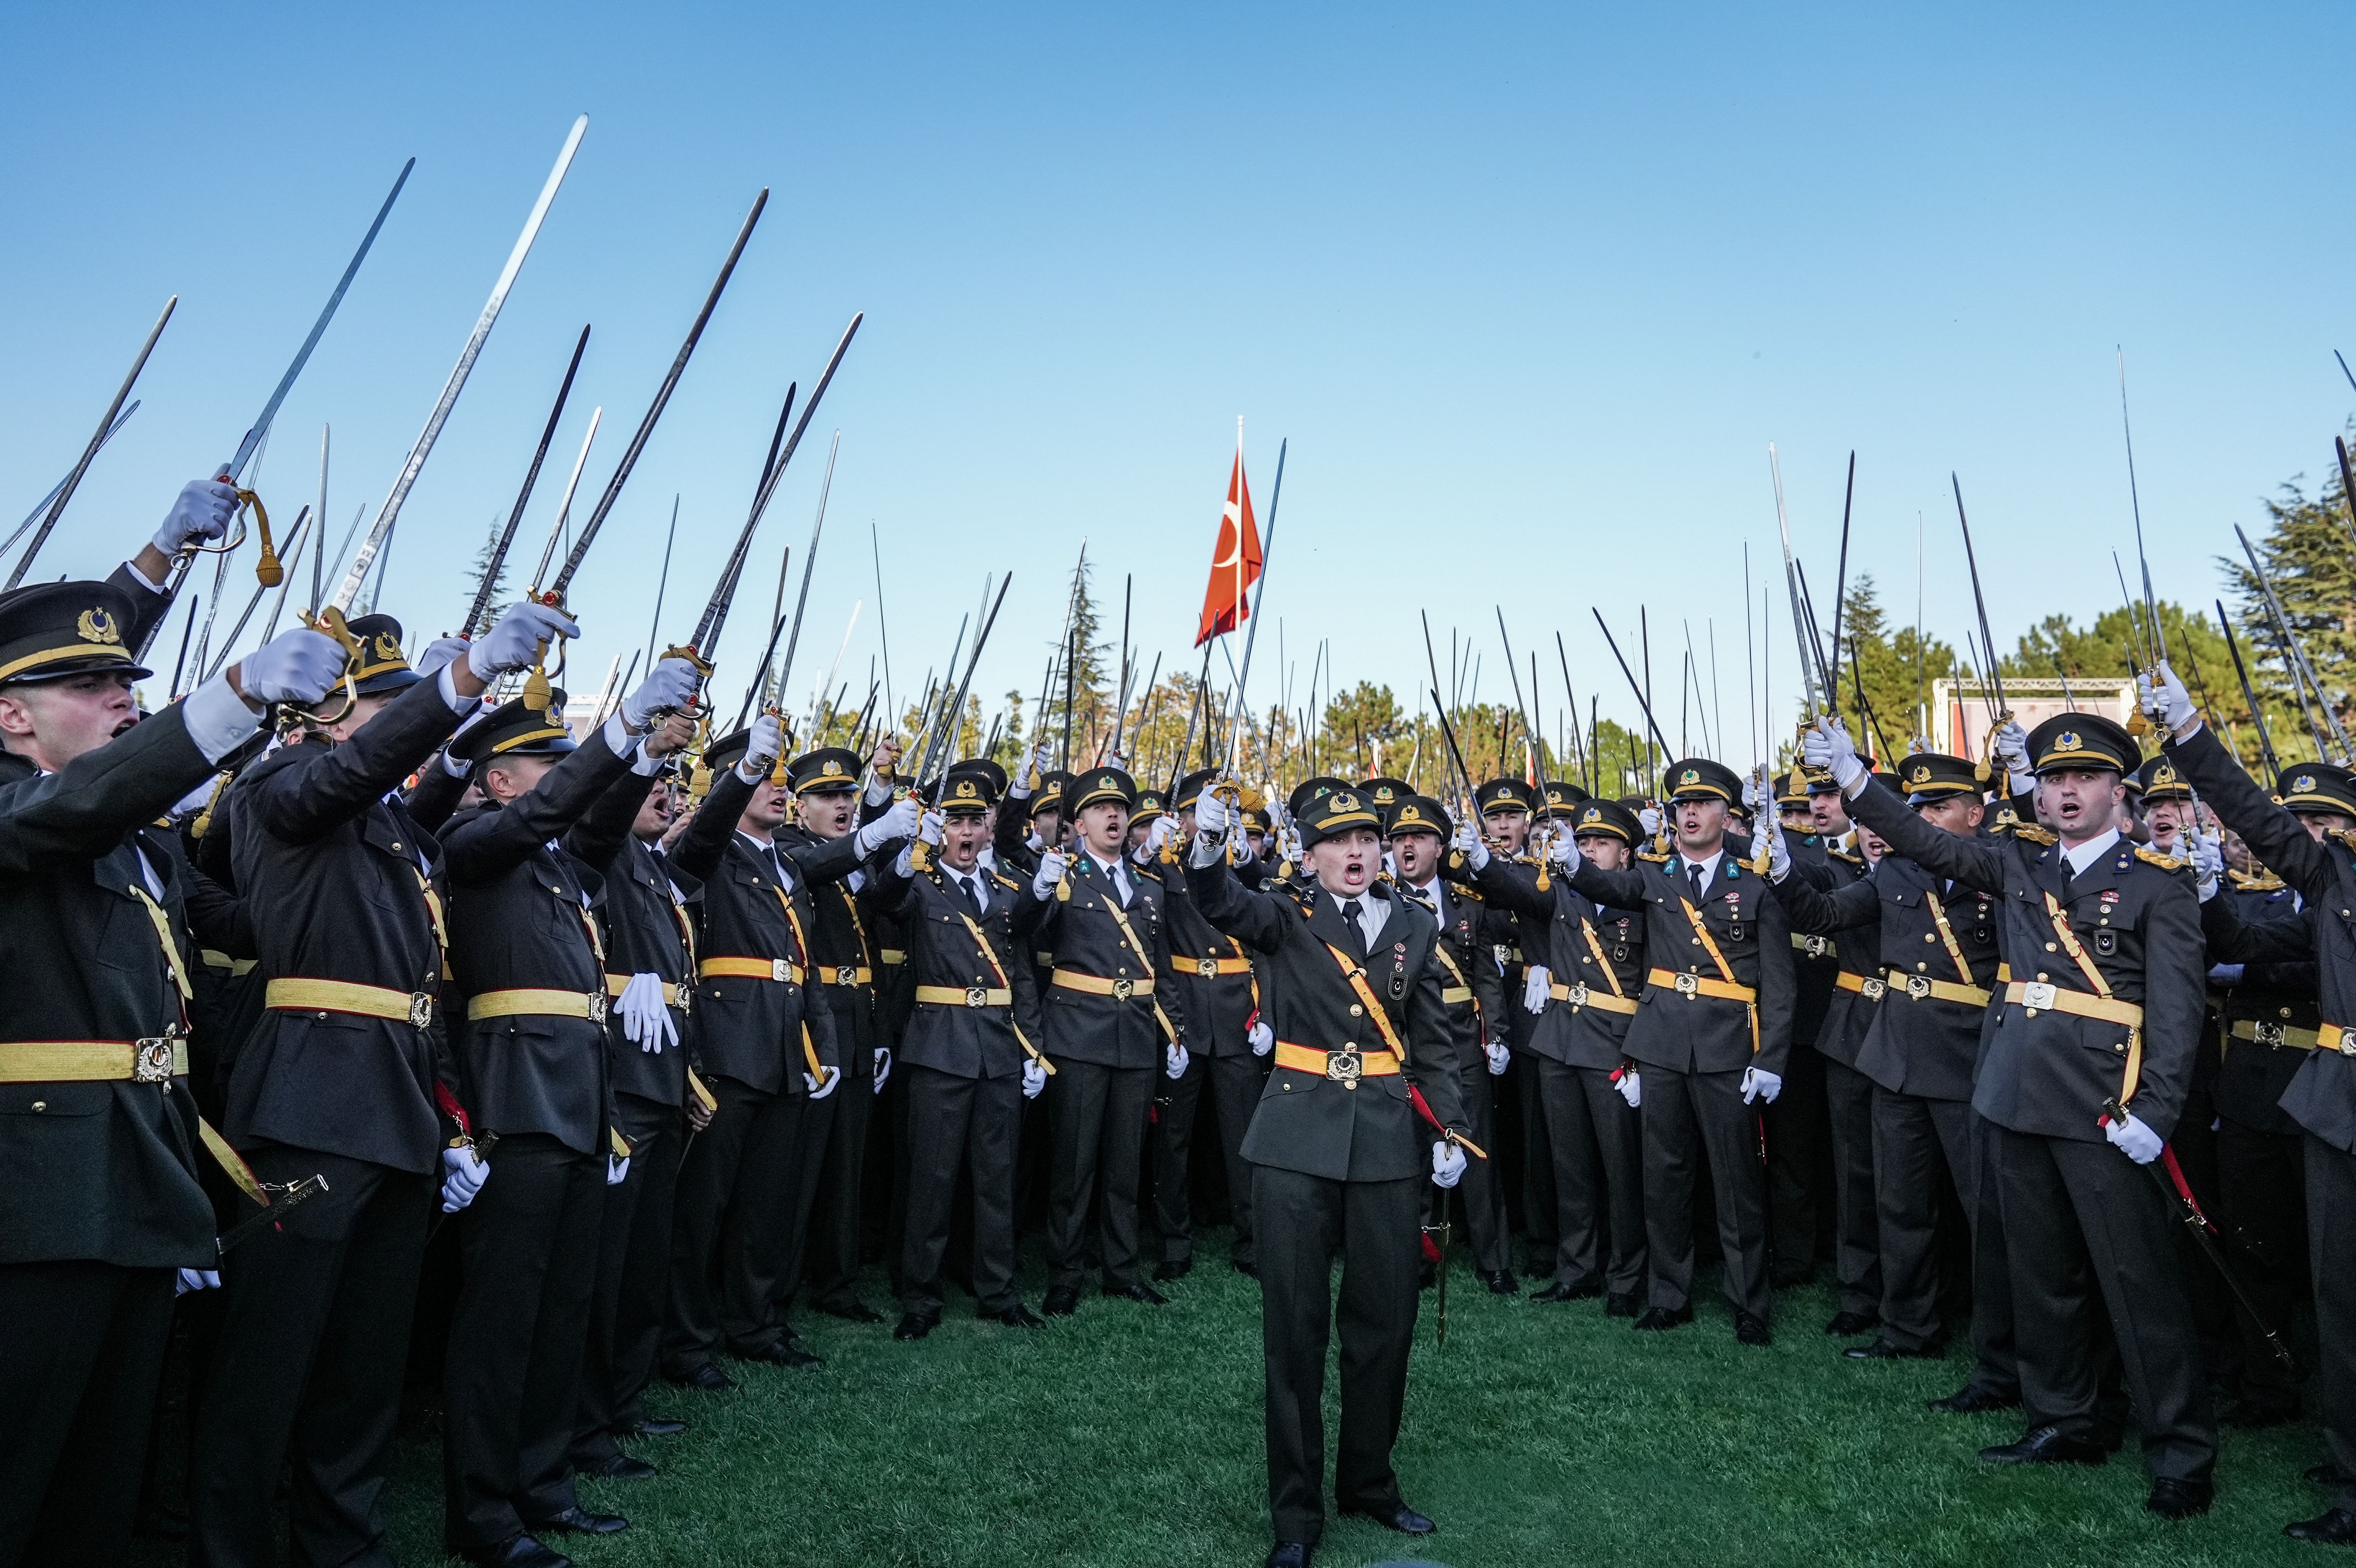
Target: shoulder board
[(1471, 895), (1004, 880), (1659, 859), (1846, 857), (2255, 882), (2346, 838), (2152, 856), (2030, 834)]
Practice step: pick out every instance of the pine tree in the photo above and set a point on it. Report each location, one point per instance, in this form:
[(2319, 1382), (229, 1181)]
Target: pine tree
[(2307, 552), (492, 604)]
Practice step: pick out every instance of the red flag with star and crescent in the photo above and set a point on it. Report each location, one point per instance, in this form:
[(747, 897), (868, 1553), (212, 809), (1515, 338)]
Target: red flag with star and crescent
[(1235, 564)]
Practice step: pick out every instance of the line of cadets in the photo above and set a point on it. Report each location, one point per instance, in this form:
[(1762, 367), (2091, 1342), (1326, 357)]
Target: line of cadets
[(425, 949)]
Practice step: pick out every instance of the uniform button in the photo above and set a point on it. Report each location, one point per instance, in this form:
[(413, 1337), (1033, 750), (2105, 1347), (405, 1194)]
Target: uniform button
[(41, 1104), (2283, 1012), (1929, 936), (2121, 1046), (2041, 975), (1357, 1011), (1694, 942), (2049, 947), (1922, 967)]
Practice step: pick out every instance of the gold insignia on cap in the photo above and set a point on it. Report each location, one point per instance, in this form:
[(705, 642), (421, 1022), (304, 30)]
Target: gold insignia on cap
[(2304, 783), (1409, 814), (1921, 773), (2163, 775), (2067, 740), (965, 790), (1690, 776), (1592, 816), (1385, 795), (387, 647), (1343, 801), (98, 626)]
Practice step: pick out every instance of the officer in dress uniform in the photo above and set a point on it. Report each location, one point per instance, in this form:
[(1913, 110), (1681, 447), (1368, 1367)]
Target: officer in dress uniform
[(347, 1076), (1110, 1033), (1504, 806), (1337, 1149), (968, 1056), (2319, 864), (1798, 1124), (1712, 1032), (98, 1133), (1592, 971), (2083, 1074)]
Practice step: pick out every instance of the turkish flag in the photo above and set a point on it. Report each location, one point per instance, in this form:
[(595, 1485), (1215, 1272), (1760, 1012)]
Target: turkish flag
[(1234, 564)]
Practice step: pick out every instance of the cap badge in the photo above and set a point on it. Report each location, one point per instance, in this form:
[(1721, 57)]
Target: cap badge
[(1921, 773), (965, 790), (1385, 795), (2304, 783), (98, 626), (2067, 740), (386, 646), (1690, 776), (1344, 801)]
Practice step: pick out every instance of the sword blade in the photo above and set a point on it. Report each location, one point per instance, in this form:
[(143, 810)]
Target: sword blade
[(64, 492), (483, 592)]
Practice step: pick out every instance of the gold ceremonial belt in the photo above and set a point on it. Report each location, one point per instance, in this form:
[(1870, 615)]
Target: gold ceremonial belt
[(672, 996), (1097, 985), (891, 957), (2278, 1037), (1813, 947), (1921, 986), (158, 1059), (1692, 986), (971, 997), (1208, 968), (1870, 986), (783, 970), (846, 975), (527, 1003), (297, 994), (1581, 996), (1453, 995), (1345, 1067), (215, 959), (2036, 997)]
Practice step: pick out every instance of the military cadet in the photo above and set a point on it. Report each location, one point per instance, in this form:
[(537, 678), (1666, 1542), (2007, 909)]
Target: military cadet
[(968, 1056), (346, 1076), (2317, 857), (1799, 1125), (533, 1063), (1418, 832), (1592, 971), (1504, 806), (1108, 1030), (1711, 1036), (647, 906), (1337, 1149), (99, 1135), (2094, 1046), (1228, 1047)]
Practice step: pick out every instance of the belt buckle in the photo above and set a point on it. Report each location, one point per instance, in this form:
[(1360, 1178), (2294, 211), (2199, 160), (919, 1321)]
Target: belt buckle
[(1344, 1066), (1816, 946), (781, 970), (1123, 990), (1578, 997), (1918, 985), (977, 995), (596, 1007), (686, 994), (2269, 1035), (1688, 985), (1872, 990), (846, 975), (151, 1060), (1208, 968), (2036, 995), (420, 1009)]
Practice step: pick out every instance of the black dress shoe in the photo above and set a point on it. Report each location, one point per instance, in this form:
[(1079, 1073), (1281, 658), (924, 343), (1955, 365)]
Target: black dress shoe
[(850, 1311), (1289, 1555), (1017, 1317), (1883, 1350), (1558, 1291), (1622, 1303), (1177, 1268), (652, 1427), (915, 1326), (1973, 1399), (2047, 1446), (1750, 1329), (2334, 1526), (1502, 1283), (579, 1520), (1139, 1291), (781, 1353), (2172, 1499), (1656, 1318), (1849, 1325), (619, 1468), (707, 1377), (1060, 1303), (517, 1551), (1399, 1517)]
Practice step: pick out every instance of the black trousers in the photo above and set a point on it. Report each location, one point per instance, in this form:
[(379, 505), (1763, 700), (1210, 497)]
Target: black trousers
[(1304, 1221), (1797, 1133), (1095, 1121), (1540, 1202), (2081, 1222), (837, 1223), (512, 1388), (1856, 1251), (1914, 1140), (625, 1310), (761, 1240), (2331, 1237), (1480, 1194), (1691, 1115), (306, 1375), (2262, 1189), (956, 1125), (80, 1357), (1599, 1177), (1234, 1082), (712, 1204)]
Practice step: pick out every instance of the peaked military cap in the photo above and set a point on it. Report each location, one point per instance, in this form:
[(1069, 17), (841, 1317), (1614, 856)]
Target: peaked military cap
[(1385, 793), (1562, 795), (1608, 818), (1308, 790), (1149, 807), (1257, 820), (1502, 795), (1336, 811), (827, 770), (54, 629), (963, 792), (1934, 775), (1049, 795), (1698, 778), (517, 729), (382, 667), (1419, 813), (988, 768), (2160, 781), (2083, 741), (1190, 787), (2318, 787), (1101, 784)]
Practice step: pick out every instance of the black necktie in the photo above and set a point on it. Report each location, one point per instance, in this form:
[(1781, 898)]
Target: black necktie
[(965, 887), (1694, 875), (1352, 909)]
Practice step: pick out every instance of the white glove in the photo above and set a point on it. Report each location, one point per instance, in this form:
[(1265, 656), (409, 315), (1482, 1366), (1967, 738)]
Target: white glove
[(1499, 1058), (301, 665), (902, 820), (2208, 864), (2131, 1137), (932, 828), (1213, 819), (1164, 830), (1631, 1087), (1051, 866), (440, 652), (1751, 793), (1042, 756), (668, 687), (768, 739), (466, 1177), (1760, 1086), (820, 1089), (1779, 853), (1262, 1038), (645, 1018), (2163, 697), (1564, 849), (1446, 1165), (1468, 844), (618, 1170), (1536, 992), (200, 514), (1829, 746), (883, 1066), (515, 642), (2012, 748), (1174, 1059), (196, 1278), (1649, 818), (1034, 1078)]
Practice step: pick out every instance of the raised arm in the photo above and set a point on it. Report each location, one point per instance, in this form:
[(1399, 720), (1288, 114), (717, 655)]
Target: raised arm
[(597, 838), (491, 843), (2274, 833), (1513, 888), (1260, 921), (1623, 890), (1820, 913), (304, 804), (709, 833), (1977, 863), (2234, 939), (82, 811)]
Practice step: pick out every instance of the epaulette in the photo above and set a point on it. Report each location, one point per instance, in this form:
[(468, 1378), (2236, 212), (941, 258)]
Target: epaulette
[(2150, 855), (1471, 895), (2263, 881), (2029, 833), (1658, 858), (1846, 855), (2346, 838), (1004, 880)]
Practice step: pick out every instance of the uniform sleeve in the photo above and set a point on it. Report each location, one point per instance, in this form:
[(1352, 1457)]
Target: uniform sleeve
[(1254, 918), (699, 849), (1977, 863), (1514, 886), (597, 838), (1621, 890), (304, 803), (1431, 1045), (83, 810), (1778, 984), (2175, 1001), (2234, 938), (491, 843), (2274, 834), (1820, 913), (824, 859)]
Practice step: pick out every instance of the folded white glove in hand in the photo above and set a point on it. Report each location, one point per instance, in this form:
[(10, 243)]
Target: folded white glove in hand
[(465, 1178), (646, 1023), (1760, 1086), (196, 1278), (1446, 1165), (883, 1066), (1499, 1058), (1174, 1059), (2133, 1139), (821, 1088), (618, 1170), (1034, 1078), (1262, 1038), (1631, 1086), (1536, 984)]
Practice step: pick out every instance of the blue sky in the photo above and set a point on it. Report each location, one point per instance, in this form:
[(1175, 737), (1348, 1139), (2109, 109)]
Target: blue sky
[(1530, 292)]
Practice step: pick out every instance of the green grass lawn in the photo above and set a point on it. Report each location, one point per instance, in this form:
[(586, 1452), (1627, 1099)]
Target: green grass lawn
[(1539, 1435)]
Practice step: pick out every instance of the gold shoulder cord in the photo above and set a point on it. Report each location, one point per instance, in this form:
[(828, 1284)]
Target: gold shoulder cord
[(1948, 935), (2077, 951), (228, 1159), (1709, 945), (990, 956)]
